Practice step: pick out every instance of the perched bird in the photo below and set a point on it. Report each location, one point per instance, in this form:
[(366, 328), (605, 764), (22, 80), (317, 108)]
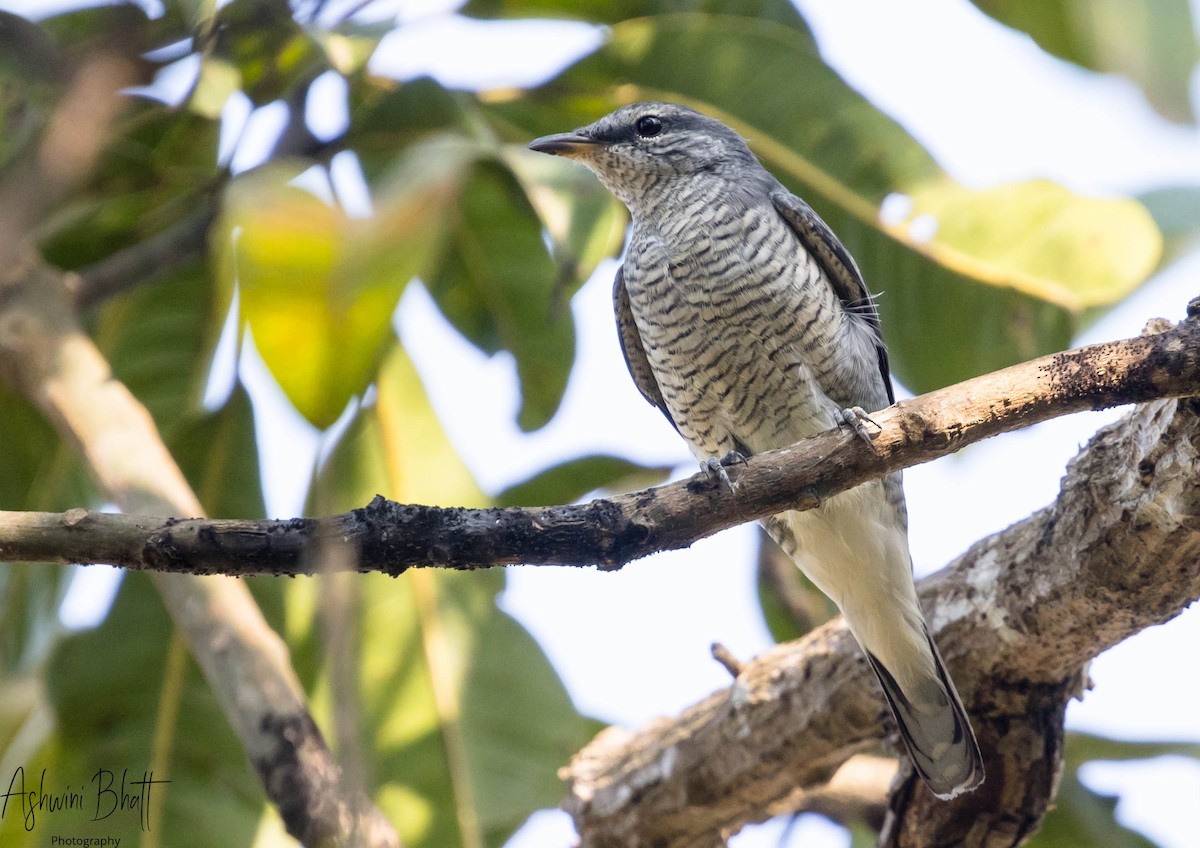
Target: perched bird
[(745, 320)]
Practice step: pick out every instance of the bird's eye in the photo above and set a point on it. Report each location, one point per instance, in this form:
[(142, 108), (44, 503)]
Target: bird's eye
[(648, 126)]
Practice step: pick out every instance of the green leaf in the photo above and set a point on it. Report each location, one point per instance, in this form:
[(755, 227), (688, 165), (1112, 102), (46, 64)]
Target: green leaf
[(266, 47), (571, 480), (498, 285), (1068, 249), (217, 81), (585, 223), (1044, 255), (350, 45), (1152, 42), (218, 454), (462, 711), (386, 117), (838, 140), (495, 281), (30, 81), (155, 338), (317, 287), (1081, 817), (89, 26), (613, 11), (144, 708), (1086, 747), (37, 472), (982, 301), (1176, 210), (155, 170)]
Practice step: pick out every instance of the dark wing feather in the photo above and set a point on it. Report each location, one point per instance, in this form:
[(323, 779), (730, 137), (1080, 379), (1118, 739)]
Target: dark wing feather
[(839, 267), (631, 346)]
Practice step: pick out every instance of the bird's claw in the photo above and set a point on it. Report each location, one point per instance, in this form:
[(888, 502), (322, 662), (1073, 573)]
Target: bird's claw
[(715, 468), (856, 418)]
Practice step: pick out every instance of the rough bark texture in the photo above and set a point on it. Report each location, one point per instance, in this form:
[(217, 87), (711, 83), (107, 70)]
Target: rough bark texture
[(1017, 617)]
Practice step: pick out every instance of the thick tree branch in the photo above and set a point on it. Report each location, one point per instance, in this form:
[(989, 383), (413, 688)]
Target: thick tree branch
[(612, 531), (1017, 617)]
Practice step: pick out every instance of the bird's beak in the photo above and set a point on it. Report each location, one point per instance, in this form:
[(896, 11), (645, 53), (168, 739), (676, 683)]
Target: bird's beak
[(571, 145)]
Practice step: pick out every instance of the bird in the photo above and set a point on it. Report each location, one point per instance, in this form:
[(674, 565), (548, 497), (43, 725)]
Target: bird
[(745, 320)]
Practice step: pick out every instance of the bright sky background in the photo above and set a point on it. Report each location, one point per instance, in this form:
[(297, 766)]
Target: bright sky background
[(634, 645)]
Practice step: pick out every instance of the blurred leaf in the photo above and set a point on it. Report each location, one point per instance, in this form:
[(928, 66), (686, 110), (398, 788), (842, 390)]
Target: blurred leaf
[(28, 55), (1176, 210), (1033, 252), (155, 338), (1086, 747), (613, 11), (269, 50), (838, 140), (1153, 41), (29, 82), (217, 81), (863, 837), (37, 472), (831, 146), (218, 453), (585, 223), (190, 14), (1065, 248), (465, 717), (350, 45), (386, 117), (495, 281), (497, 284), (318, 287), (1081, 817), (112, 712), (571, 480), (157, 168), (85, 27)]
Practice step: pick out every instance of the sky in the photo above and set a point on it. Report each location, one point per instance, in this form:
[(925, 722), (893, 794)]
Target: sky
[(991, 107)]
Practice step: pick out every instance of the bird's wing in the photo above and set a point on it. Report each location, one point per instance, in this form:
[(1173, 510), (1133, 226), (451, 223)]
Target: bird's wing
[(631, 346), (839, 267)]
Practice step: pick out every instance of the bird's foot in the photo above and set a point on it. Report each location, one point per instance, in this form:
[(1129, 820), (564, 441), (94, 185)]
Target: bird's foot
[(716, 468), (857, 419)]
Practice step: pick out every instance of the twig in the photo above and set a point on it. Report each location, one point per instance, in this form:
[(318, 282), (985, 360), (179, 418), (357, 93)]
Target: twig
[(728, 661)]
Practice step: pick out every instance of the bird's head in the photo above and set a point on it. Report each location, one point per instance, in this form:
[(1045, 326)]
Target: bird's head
[(642, 152)]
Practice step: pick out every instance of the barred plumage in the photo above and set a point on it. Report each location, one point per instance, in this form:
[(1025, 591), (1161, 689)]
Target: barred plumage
[(744, 319)]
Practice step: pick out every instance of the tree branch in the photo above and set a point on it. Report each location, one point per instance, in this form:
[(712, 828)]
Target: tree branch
[(610, 532)]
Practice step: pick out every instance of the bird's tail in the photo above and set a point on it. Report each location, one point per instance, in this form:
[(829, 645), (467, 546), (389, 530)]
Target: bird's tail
[(935, 728), (854, 547)]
